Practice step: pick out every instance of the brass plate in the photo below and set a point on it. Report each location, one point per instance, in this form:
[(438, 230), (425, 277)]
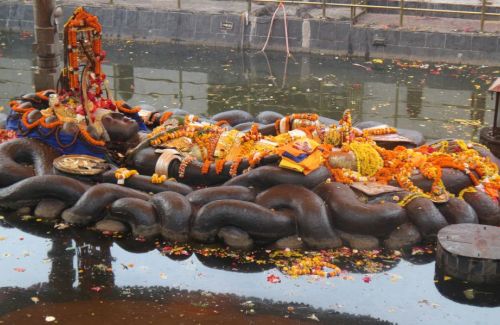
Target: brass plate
[(80, 164)]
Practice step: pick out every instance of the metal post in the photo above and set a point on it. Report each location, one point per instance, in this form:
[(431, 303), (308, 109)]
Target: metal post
[(324, 9), (178, 4), (249, 7), (496, 123), (47, 45), (483, 11), (354, 11), (401, 12)]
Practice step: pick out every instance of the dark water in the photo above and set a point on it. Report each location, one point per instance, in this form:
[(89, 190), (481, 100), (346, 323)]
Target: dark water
[(78, 277)]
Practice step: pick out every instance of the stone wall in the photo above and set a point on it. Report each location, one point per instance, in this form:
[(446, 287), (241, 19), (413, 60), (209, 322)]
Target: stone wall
[(305, 35)]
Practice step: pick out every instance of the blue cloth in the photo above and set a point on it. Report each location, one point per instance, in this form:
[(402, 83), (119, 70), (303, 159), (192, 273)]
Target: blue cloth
[(140, 122), (297, 159), (80, 147)]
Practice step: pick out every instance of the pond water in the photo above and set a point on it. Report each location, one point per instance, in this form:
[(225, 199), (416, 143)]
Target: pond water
[(76, 277)]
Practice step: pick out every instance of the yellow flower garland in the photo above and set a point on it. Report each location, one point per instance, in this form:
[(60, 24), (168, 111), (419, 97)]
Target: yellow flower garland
[(121, 174), (367, 158)]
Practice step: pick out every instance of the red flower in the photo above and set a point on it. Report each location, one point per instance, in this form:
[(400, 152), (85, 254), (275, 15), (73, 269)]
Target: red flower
[(96, 289), (273, 278)]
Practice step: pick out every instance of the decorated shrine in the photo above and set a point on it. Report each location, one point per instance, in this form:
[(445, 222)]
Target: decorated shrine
[(302, 180)]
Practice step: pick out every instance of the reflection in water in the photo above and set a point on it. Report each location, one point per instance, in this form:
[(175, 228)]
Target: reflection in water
[(123, 76), (467, 293), (478, 110), (131, 284), (96, 287), (414, 101)]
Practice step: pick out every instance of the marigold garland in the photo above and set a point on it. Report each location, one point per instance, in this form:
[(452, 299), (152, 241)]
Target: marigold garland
[(86, 135), (367, 158), (379, 131), (205, 167), (221, 122), (406, 200), (16, 107), (373, 163), (120, 105), (219, 166), (165, 116), (50, 125), (185, 162), (234, 167), (469, 189), (121, 174), (25, 121), (158, 179)]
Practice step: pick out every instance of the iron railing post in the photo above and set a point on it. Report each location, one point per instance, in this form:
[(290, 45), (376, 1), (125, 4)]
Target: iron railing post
[(354, 9), (401, 12), (249, 7), (324, 9), (352, 12), (178, 4), (483, 11)]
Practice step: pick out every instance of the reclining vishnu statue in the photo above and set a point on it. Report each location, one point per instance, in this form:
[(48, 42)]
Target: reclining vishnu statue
[(299, 180)]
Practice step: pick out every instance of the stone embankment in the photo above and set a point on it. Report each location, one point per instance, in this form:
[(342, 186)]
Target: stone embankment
[(227, 24)]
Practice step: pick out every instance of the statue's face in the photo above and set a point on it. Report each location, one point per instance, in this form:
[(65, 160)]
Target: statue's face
[(119, 127)]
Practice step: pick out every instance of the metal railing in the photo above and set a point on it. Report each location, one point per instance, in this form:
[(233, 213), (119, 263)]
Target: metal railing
[(403, 10)]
